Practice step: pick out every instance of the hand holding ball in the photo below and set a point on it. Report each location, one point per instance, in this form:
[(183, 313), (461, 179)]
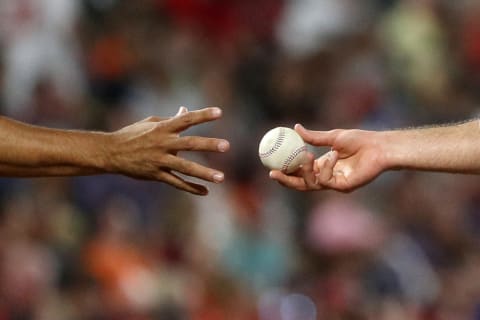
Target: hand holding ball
[(282, 149)]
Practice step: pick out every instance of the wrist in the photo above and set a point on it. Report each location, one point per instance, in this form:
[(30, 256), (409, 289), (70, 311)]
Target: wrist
[(394, 152), (91, 151), (105, 156)]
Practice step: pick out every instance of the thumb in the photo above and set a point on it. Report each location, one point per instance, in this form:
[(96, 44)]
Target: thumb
[(181, 110), (317, 138)]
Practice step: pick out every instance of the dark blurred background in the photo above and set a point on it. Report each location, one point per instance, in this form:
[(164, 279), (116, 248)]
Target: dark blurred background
[(112, 248)]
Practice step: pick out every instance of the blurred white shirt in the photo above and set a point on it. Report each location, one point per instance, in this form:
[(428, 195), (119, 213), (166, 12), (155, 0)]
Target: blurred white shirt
[(38, 41), (308, 25)]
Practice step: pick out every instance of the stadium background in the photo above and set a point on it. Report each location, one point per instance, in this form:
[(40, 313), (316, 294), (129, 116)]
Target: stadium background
[(108, 247)]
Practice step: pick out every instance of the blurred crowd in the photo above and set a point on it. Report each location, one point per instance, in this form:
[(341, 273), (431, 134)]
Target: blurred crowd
[(113, 248)]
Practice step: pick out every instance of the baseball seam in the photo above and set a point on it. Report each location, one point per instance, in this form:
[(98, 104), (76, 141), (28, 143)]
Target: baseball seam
[(276, 146), (292, 156)]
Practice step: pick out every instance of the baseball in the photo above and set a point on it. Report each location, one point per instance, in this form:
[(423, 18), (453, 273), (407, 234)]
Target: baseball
[(282, 149)]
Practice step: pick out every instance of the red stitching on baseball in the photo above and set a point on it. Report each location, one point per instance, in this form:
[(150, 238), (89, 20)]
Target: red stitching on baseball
[(276, 146), (292, 156)]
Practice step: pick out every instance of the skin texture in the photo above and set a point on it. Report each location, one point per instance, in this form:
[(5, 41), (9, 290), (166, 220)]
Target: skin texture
[(144, 150), (358, 156)]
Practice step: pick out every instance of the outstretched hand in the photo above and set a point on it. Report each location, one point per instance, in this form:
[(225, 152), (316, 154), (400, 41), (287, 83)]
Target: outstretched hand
[(149, 150), (355, 159)]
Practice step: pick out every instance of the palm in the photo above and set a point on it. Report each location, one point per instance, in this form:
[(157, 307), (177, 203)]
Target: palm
[(358, 160), (355, 160), (354, 170)]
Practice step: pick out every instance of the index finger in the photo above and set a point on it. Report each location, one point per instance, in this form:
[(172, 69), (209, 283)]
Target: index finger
[(317, 138), (185, 120), (289, 181), (181, 110)]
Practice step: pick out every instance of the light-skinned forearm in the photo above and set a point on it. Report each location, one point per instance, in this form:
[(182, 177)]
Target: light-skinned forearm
[(454, 148), (27, 150)]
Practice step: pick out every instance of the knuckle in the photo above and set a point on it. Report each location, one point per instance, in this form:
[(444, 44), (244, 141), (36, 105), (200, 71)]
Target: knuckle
[(153, 118), (172, 123), (161, 176), (213, 144), (165, 162), (185, 167), (188, 143), (158, 126), (188, 119)]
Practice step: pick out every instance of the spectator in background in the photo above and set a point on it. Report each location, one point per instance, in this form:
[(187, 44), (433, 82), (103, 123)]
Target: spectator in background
[(39, 42)]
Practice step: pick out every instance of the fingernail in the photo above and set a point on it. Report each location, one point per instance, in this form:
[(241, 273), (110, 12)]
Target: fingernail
[(218, 177), (299, 126), (223, 146), (270, 174), (216, 112)]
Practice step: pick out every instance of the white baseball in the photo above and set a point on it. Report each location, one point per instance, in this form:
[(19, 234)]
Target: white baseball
[(282, 149)]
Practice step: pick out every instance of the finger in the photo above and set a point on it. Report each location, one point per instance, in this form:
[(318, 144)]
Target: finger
[(194, 169), (181, 110), (181, 184), (188, 119), (340, 182), (193, 143), (324, 167), (317, 138), (152, 119), (293, 182), (308, 174)]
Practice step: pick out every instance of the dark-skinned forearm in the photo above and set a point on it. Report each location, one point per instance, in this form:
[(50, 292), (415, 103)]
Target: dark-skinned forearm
[(27, 150)]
